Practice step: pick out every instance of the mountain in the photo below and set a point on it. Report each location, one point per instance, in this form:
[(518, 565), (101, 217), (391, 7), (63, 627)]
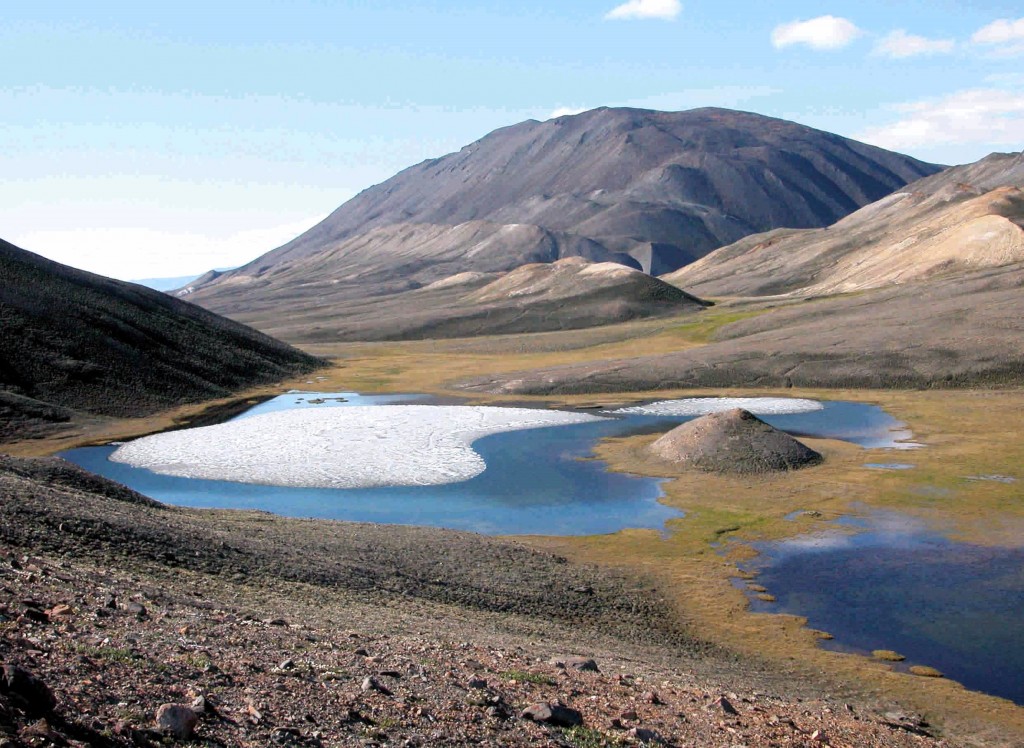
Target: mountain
[(653, 190), (937, 270), (966, 217), (562, 295), (73, 342)]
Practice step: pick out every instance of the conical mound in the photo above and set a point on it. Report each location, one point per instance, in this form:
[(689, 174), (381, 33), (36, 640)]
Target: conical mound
[(735, 441)]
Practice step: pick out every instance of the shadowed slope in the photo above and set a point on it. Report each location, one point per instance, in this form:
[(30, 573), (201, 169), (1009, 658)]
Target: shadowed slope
[(71, 340)]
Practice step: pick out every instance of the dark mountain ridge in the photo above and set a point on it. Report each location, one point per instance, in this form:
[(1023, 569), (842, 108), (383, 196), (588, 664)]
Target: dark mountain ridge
[(73, 341)]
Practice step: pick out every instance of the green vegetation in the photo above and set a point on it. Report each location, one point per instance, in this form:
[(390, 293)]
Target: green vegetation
[(704, 327), (522, 676), (587, 737)]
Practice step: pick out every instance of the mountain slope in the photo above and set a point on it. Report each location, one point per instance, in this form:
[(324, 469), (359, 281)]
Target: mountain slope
[(563, 295), (74, 341), (966, 217), (964, 330), (655, 190)]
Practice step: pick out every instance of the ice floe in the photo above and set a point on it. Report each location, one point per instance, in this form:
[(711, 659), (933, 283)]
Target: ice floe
[(350, 447), (699, 406)]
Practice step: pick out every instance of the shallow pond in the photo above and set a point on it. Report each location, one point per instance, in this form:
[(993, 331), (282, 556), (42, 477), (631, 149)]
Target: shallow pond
[(536, 481), (888, 582)]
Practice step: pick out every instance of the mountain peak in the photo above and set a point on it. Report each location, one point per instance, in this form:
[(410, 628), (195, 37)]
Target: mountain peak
[(650, 189)]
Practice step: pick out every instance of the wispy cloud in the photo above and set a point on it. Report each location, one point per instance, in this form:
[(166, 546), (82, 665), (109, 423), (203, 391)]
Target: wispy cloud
[(822, 33), (899, 44), (565, 111), (662, 10), (1005, 36), (988, 116)]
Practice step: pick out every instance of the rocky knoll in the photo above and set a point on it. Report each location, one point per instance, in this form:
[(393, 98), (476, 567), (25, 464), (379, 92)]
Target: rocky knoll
[(734, 441), (654, 190)]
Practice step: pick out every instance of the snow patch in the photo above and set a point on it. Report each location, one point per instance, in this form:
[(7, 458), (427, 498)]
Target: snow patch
[(351, 447), (700, 406)]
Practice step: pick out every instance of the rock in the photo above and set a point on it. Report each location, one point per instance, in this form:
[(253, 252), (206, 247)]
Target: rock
[(477, 683), (583, 664), (651, 697), (644, 735), (177, 720), (553, 714), (372, 684), (630, 715), (726, 706), (288, 664), (136, 609), (361, 651), (27, 691), (58, 611), (735, 441), (199, 705)]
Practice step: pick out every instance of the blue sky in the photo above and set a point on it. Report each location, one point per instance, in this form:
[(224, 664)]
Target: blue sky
[(147, 139)]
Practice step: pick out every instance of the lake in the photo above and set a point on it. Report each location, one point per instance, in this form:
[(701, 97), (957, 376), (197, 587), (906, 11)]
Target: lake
[(888, 582), (536, 481)]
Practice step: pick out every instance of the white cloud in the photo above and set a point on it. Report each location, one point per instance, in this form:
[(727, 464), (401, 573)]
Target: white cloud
[(990, 117), (127, 253), (665, 10), (1007, 36), (1000, 32), (824, 32), (899, 44), (565, 111)]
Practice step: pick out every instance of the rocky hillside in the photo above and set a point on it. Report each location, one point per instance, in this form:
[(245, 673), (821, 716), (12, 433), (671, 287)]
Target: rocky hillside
[(655, 190), (964, 218), (123, 628), (73, 341)]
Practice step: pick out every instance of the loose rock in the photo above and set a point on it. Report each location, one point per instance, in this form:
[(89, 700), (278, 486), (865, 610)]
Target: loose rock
[(177, 720)]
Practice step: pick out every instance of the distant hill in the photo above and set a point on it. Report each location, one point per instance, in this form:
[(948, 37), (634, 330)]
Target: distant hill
[(653, 190), (71, 341), (964, 218), (564, 295)]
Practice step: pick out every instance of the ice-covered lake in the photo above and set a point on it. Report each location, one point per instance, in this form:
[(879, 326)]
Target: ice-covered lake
[(404, 459)]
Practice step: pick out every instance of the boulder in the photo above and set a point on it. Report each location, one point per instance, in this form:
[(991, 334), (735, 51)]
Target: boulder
[(734, 441), (177, 720)]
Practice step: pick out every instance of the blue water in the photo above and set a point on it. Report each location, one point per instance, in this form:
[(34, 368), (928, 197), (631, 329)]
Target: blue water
[(894, 584), (535, 481)]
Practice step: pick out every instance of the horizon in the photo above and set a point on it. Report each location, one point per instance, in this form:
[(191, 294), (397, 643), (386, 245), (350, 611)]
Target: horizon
[(150, 145)]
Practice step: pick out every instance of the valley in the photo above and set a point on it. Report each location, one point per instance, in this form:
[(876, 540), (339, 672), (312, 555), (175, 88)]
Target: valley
[(533, 291)]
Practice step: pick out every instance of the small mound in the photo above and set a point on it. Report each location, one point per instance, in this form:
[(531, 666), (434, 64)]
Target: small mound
[(735, 441)]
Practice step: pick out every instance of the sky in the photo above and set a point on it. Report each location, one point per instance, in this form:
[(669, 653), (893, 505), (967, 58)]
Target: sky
[(144, 140)]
